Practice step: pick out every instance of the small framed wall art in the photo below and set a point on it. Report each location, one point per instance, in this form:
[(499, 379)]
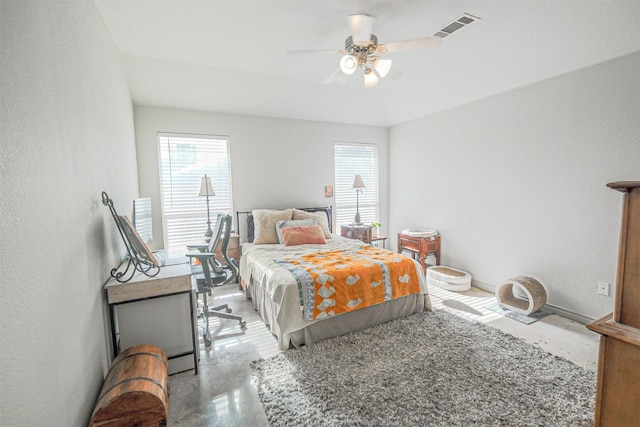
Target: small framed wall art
[(328, 191)]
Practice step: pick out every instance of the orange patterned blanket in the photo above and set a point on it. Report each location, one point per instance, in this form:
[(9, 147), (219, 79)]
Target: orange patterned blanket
[(340, 281)]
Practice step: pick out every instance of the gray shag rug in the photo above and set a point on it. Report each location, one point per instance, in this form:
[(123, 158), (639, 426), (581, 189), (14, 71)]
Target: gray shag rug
[(428, 369)]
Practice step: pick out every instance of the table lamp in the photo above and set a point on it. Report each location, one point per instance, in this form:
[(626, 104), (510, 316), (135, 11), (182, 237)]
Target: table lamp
[(358, 185), (206, 189)]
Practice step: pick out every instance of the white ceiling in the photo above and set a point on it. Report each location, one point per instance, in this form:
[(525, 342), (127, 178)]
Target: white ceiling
[(231, 56)]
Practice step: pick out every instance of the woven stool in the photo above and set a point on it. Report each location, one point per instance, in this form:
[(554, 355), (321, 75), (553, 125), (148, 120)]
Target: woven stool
[(535, 292)]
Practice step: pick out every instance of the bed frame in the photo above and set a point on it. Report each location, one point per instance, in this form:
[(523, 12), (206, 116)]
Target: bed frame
[(317, 330), (250, 228)]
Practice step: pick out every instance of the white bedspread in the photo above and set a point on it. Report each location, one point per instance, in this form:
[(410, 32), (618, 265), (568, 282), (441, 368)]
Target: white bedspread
[(283, 312)]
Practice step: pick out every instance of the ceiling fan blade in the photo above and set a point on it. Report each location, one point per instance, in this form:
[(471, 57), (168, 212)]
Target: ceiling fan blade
[(361, 27), (394, 73), (314, 51), (337, 77), (405, 45)]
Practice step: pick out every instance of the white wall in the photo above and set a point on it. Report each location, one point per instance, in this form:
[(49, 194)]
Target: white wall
[(516, 183), (275, 163), (67, 134)]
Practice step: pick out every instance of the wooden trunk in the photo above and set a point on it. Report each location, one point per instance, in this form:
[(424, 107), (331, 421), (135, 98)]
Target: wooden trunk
[(135, 392)]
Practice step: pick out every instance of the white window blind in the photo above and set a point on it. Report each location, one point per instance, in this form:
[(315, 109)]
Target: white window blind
[(184, 160), (352, 160)]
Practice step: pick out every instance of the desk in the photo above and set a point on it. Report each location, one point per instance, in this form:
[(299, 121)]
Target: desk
[(421, 247), (156, 310)]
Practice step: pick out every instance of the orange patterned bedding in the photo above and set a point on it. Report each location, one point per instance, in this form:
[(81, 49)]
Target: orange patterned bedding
[(340, 281)]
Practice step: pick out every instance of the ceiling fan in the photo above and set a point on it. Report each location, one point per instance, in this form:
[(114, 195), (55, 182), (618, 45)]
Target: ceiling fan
[(362, 49)]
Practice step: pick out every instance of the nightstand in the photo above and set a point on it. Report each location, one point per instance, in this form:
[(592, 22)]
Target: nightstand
[(359, 232), (420, 247), (234, 250), (379, 240)]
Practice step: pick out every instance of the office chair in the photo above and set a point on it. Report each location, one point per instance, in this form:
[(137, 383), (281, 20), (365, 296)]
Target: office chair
[(211, 273), (210, 247)]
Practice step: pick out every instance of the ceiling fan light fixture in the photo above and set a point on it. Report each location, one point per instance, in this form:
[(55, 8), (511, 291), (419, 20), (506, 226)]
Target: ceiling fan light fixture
[(361, 27), (382, 66), (370, 78), (361, 49), (348, 64)]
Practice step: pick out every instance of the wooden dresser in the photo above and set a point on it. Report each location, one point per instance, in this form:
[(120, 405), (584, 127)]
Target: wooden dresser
[(618, 387)]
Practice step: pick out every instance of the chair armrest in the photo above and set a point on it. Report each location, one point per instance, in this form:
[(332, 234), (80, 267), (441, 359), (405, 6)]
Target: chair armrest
[(207, 258), (214, 270), (201, 255), (202, 247)]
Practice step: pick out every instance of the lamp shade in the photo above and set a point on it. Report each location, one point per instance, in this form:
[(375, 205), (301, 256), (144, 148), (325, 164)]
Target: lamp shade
[(348, 64), (370, 78), (206, 189), (358, 183), (382, 66)]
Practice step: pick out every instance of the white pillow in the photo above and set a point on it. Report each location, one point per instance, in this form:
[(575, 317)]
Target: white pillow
[(264, 221), (323, 221), (293, 223)]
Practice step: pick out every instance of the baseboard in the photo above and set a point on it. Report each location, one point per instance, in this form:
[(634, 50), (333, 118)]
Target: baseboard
[(569, 314), (550, 307), (484, 286)]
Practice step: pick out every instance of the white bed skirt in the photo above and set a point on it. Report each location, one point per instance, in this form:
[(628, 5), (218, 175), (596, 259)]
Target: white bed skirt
[(317, 330)]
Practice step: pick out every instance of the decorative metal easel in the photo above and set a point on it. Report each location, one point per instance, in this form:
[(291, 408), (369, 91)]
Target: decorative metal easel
[(136, 261)]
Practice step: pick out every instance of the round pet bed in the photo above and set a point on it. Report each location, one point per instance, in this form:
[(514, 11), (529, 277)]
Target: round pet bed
[(419, 232), (449, 278), (534, 291)]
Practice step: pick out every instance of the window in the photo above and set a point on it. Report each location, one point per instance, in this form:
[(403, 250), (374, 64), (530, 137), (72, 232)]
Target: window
[(184, 160), (352, 160)]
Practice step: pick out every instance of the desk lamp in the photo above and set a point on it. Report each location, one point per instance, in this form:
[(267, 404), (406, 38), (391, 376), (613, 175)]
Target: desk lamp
[(358, 185), (206, 189)]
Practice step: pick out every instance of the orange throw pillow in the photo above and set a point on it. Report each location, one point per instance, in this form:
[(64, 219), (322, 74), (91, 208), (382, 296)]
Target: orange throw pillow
[(302, 235)]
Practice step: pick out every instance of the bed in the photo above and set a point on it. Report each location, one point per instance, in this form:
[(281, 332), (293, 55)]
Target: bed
[(303, 302)]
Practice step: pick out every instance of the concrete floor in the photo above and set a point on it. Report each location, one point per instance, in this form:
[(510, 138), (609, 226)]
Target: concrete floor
[(222, 393)]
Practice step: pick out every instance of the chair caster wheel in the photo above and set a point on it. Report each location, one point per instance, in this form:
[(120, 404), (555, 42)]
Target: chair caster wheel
[(207, 342), (228, 310), (243, 324)]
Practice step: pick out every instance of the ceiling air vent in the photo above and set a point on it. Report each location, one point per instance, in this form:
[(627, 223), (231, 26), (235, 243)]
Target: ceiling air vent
[(451, 27)]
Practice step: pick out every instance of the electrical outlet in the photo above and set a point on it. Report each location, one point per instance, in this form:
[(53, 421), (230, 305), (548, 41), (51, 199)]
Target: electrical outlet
[(603, 289)]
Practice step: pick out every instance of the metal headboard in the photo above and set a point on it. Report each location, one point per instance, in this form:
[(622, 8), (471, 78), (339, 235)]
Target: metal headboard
[(328, 210)]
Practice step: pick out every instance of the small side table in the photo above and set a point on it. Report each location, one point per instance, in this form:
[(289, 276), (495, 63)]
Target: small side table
[(376, 241), (421, 247), (234, 250), (360, 232)]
